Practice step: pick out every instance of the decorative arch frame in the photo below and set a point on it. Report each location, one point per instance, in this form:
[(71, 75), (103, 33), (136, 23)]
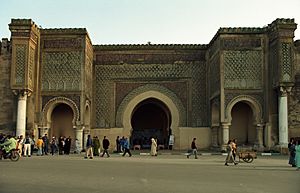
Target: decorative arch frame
[(251, 101), (51, 104), (126, 108)]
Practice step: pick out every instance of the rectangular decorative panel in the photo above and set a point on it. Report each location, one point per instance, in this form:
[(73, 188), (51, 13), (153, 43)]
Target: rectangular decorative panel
[(286, 62), (31, 67), (243, 69), (20, 64), (62, 70)]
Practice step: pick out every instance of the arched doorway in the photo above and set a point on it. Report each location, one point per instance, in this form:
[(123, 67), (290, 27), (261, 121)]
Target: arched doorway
[(61, 121), (150, 118), (242, 124)]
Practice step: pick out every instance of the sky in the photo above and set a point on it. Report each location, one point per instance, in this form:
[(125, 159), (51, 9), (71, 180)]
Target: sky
[(142, 21)]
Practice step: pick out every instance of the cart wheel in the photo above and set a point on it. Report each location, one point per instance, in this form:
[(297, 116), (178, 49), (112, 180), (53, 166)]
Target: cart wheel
[(248, 159)]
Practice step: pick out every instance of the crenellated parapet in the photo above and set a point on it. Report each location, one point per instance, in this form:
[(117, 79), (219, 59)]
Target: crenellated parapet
[(78, 31), (149, 46)]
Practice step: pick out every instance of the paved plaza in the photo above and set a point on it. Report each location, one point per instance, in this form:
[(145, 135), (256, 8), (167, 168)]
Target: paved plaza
[(139, 174)]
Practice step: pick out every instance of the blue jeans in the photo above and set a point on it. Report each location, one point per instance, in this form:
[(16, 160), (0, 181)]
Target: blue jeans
[(40, 152)]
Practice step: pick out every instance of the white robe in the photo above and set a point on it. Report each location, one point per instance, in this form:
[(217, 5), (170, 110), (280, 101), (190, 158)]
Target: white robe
[(153, 147)]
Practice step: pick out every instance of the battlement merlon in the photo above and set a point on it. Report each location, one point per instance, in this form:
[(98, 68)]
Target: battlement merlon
[(66, 31), (283, 23), (282, 28), (23, 28), (279, 24)]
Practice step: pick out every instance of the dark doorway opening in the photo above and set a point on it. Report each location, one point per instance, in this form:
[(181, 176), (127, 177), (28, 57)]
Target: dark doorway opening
[(242, 125), (150, 118), (61, 122)]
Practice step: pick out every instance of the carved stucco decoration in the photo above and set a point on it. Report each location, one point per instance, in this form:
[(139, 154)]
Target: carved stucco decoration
[(20, 64), (62, 70), (243, 69), (286, 64)]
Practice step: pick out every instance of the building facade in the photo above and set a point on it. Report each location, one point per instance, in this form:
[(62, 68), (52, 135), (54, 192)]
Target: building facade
[(244, 84)]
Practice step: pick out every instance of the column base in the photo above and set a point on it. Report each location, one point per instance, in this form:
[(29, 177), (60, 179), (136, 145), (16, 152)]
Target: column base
[(259, 147), (282, 148), (224, 148)]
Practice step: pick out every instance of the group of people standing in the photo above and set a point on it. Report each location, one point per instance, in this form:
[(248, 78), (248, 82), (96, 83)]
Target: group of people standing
[(294, 149), (42, 144)]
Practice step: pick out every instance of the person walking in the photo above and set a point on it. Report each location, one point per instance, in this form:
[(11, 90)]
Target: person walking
[(292, 150), (234, 149), (126, 147), (89, 148), (194, 149), (105, 145), (229, 158), (153, 151), (297, 157), (122, 141), (96, 148)]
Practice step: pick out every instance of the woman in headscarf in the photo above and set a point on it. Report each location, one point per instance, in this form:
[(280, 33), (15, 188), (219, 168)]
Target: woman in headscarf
[(153, 151)]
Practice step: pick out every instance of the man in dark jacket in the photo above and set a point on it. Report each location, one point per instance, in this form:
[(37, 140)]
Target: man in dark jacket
[(194, 149), (105, 145), (89, 148)]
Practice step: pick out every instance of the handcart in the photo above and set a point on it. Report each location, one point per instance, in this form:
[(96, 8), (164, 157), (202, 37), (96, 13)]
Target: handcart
[(247, 156)]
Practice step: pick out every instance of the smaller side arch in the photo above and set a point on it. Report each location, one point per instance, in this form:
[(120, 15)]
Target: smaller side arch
[(51, 104), (251, 101)]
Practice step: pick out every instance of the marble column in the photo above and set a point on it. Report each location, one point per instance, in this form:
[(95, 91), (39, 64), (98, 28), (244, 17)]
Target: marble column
[(283, 117), (259, 135), (79, 136), (21, 114), (225, 135)]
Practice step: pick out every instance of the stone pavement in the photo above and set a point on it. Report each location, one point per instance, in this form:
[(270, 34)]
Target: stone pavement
[(141, 174)]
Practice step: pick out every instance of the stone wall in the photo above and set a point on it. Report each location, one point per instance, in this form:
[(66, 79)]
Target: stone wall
[(179, 68), (7, 102), (294, 99)]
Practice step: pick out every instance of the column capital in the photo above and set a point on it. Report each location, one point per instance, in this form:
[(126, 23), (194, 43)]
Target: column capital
[(285, 90), (22, 93), (260, 125), (225, 125)]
